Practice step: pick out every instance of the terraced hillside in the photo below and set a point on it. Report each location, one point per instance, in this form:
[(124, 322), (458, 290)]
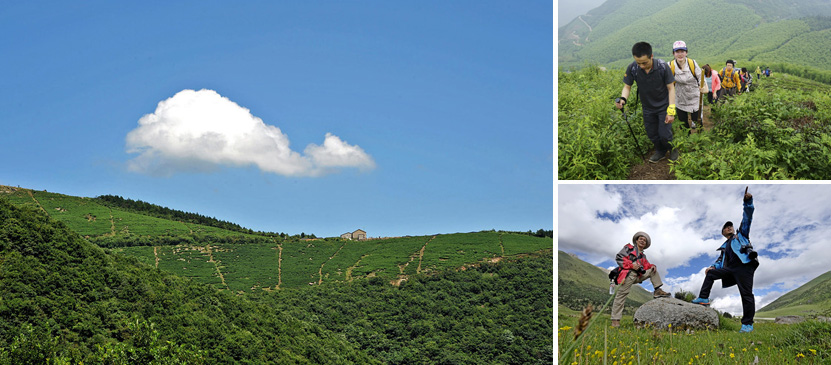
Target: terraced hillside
[(245, 262)]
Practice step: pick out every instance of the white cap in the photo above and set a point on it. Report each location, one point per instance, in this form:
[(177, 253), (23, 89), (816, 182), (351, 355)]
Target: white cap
[(679, 45)]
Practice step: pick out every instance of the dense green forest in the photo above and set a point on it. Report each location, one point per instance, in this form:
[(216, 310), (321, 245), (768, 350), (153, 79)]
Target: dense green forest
[(65, 300)]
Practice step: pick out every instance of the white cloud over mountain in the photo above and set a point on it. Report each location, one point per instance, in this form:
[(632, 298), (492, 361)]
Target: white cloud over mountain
[(202, 131)]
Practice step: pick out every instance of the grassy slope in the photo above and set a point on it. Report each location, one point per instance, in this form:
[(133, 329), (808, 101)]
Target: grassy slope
[(765, 32), (255, 266), (814, 297)]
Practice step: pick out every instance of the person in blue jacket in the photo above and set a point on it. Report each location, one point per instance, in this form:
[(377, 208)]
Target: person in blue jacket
[(735, 266)]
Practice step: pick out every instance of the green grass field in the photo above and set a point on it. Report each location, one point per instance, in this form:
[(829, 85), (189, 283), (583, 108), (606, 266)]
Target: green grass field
[(808, 342)]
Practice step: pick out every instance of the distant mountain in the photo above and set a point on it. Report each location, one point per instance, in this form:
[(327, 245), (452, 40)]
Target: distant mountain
[(580, 283), (812, 298), (757, 31)]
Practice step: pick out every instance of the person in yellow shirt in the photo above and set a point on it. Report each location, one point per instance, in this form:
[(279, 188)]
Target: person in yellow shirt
[(730, 79), (758, 73)]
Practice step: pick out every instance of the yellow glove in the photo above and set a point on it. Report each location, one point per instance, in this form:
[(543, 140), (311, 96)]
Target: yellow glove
[(671, 110)]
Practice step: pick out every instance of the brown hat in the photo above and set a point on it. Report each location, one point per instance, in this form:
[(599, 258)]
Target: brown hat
[(640, 233)]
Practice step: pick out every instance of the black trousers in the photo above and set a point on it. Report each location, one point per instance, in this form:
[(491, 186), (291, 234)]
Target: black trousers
[(741, 276)]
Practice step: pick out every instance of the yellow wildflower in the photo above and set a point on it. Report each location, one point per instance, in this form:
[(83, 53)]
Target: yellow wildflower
[(732, 355), (813, 352), (566, 328), (800, 355)]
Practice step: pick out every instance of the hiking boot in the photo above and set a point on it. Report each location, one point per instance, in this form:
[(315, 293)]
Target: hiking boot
[(746, 328), (615, 323), (703, 301), (658, 156), (659, 293), (673, 155)]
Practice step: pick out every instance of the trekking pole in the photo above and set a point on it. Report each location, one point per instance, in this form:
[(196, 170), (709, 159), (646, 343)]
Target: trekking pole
[(625, 119)]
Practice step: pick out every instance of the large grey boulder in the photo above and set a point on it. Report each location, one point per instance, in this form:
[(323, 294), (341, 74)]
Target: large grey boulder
[(660, 313)]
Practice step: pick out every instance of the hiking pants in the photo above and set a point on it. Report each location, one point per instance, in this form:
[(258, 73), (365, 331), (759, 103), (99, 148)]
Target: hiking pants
[(685, 117), (658, 132), (742, 276), (625, 287), (730, 91)]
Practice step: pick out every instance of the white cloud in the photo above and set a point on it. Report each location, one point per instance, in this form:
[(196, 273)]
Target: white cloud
[(791, 229), (202, 130)]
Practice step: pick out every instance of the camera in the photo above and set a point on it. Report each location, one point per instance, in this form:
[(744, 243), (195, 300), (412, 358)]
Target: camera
[(751, 253)]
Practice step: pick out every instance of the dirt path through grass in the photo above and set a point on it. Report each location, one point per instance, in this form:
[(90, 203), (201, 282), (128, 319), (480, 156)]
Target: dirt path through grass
[(216, 265), (421, 254), (320, 271), (156, 254), (279, 266), (660, 170), (32, 195)]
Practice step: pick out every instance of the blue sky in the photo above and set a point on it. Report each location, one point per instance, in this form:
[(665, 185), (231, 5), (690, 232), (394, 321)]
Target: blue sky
[(396, 118), (791, 230)]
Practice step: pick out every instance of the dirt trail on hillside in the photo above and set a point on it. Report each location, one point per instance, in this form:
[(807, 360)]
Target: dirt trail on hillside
[(660, 170), (279, 266), (32, 195), (216, 265), (501, 246), (421, 254), (349, 269), (320, 271), (156, 254)]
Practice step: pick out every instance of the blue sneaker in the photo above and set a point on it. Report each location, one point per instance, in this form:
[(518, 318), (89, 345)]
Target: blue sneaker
[(746, 328), (703, 301)]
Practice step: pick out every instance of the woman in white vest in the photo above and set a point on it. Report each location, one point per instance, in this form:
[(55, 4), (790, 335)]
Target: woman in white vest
[(689, 85)]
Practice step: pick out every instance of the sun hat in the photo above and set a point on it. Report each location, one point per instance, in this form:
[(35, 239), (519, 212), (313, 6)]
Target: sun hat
[(648, 240), (679, 45)]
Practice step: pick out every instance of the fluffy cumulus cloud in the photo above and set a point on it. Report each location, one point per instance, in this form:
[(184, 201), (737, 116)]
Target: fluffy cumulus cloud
[(202, 130), (791, 230)]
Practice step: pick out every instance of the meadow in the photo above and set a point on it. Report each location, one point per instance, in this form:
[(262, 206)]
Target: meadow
[(803, 343)]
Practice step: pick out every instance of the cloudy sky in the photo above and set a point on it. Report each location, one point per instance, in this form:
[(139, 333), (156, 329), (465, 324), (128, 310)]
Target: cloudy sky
[(791, 230), (399, 118)]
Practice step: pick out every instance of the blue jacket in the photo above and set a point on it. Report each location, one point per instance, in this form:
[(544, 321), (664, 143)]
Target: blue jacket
[(740, 239)]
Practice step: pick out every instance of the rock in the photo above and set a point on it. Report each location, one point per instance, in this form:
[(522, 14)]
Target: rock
[(789, 319), (662, 312)]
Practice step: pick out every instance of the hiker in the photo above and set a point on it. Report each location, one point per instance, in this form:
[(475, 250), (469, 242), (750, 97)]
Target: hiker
[(689, 85), (747, 79), (713, 84), (758, 73), (735, 265), (730, 79), (633, 268), (657, 94), (767, 71)]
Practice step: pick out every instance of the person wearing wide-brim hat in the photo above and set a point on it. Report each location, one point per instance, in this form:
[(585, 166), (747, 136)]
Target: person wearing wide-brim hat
[(736, 265), (634, 269)]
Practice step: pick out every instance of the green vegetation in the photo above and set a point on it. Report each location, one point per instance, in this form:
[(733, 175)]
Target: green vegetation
[(593, 140), (811, 299), (754, 32), (769, 343), (64, 298), (779, 131), (495, 313)]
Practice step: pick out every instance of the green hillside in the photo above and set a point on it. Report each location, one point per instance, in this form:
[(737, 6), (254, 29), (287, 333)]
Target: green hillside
[(812, 298), (580, 283), (753, 32), (64, 300), (240, 261)]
